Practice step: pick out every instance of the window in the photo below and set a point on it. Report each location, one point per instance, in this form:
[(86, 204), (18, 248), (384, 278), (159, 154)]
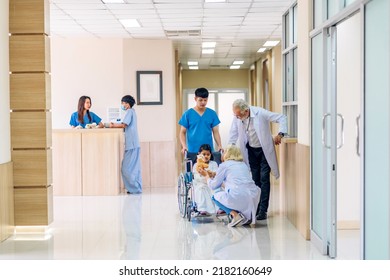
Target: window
[(221, 101), (290, 69), (324, 10)]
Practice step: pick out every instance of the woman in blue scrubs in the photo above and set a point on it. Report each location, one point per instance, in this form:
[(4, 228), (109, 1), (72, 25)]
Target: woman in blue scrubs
[(131, 163), (83, 116)]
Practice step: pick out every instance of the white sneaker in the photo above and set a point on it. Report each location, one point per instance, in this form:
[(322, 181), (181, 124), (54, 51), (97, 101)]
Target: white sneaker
[(236, 220)]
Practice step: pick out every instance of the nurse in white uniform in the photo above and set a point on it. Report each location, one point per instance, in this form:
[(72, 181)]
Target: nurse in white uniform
[(240, 196)]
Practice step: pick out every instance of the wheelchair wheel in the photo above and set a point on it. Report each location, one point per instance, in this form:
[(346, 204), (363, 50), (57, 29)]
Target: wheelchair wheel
[(182, 196), (189, 211)]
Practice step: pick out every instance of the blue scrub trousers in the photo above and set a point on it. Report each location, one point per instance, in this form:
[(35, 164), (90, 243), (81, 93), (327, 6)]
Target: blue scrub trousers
[(131, 171)]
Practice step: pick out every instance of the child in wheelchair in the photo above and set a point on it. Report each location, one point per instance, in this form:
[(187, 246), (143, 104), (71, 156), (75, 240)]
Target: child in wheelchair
[(202, 193)]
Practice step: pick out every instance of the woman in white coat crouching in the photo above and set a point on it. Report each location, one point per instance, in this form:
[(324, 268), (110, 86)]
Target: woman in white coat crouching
[(240, 196)]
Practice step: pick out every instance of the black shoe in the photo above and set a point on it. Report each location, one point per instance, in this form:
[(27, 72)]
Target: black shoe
[(261, 216)]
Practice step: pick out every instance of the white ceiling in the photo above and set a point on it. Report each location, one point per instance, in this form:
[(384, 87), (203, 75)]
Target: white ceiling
[(240, 27)]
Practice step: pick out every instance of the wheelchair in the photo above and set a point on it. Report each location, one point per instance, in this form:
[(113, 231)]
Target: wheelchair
[(185, 191)]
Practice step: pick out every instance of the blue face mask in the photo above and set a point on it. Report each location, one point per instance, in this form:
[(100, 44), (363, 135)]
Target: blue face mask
[(123, 107)]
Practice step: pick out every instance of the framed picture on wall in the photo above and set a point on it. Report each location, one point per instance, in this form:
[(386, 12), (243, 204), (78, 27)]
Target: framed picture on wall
[(149, 88)]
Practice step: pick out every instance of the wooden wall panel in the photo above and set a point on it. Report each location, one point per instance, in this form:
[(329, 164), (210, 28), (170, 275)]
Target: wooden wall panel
[(100, 162), (29, 53), (6, 201), (32, 168), (30, 130), (33, 206), (295, 183), (30, 91), (67, 164), (162, 164), (29, 16), (145, 163), (29, 60)]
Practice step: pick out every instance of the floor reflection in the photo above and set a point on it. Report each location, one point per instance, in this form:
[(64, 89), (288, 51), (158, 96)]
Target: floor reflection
[(132, 215), (209, 238), (149, 227)]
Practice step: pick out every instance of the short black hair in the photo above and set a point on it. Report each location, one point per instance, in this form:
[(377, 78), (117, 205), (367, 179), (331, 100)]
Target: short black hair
[(202, 92), (207, 147), (128, 99)]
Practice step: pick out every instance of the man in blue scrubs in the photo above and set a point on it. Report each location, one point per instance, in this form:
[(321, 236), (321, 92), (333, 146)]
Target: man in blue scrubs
[(199, 124)]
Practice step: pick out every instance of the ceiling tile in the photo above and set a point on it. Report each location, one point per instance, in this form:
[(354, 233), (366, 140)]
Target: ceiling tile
[(239, 27)]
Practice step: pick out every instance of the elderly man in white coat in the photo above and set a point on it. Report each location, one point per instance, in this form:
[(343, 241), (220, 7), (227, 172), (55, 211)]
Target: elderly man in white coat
[(251, 131)]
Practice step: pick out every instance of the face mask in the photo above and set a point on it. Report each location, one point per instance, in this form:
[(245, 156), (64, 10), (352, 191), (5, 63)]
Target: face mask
[(123, 107)]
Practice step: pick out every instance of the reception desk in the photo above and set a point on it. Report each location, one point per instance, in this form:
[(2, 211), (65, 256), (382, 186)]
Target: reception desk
[(87, 161)]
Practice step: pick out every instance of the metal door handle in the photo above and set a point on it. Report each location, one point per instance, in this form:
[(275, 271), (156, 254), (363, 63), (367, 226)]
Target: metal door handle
[(342, 131), (323, 130), (358, 135)]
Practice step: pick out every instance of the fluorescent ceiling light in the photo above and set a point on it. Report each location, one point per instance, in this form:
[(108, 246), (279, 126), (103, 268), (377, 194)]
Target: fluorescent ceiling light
[(192, 63), (235, 67), (130, 23), (207, 51), (208, 44), (261, 50), (271, 43), (113, 1), (238, 62), (214, 1), (194, 67)]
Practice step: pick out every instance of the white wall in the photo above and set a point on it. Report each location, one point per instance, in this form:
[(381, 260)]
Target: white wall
[(155, 122), (304, 12), (105, 70), (5, 144), (85, 66)]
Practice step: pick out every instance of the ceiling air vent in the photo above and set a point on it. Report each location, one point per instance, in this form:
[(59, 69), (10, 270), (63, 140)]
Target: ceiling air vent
[(219, 66), (182, 33)]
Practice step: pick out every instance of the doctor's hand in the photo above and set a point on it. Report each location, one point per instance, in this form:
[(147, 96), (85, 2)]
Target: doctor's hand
[(278, 139)]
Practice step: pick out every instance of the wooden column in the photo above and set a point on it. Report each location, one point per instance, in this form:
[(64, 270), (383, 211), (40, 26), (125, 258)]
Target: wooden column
[(30, 111)]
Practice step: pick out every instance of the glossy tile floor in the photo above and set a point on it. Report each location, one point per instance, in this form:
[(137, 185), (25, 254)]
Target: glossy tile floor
[(148, 226)]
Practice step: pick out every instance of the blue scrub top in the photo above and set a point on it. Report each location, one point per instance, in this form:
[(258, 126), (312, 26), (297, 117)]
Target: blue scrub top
[(199, 128), (74, 122), (131, 131)]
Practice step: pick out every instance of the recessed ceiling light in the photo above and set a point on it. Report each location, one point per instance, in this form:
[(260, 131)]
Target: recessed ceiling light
[(235, 67), (208, 44), (194, 67), (113, 1), (214, 1), (261, 50), (207, 51), (238, 62), (130, 23), (271, 43), (192, 63)]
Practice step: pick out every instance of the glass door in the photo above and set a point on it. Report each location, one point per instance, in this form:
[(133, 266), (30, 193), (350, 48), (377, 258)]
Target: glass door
[(320, 153), (336, 98), (377, 131)]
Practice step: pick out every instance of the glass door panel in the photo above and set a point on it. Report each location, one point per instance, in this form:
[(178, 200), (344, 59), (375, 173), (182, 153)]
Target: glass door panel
[(320, 154), (377, 131)]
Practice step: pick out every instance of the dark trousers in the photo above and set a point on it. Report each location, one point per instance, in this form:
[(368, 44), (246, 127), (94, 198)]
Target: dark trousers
[(260, 174)]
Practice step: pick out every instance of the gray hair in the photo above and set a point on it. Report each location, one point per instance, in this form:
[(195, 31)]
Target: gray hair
[(242, 104)]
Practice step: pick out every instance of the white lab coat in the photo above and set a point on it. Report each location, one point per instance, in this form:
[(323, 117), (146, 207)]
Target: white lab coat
[(241, 193), (261, 122)]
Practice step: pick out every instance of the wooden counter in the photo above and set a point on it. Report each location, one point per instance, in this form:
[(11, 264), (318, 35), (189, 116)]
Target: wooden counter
[(87, 161)]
